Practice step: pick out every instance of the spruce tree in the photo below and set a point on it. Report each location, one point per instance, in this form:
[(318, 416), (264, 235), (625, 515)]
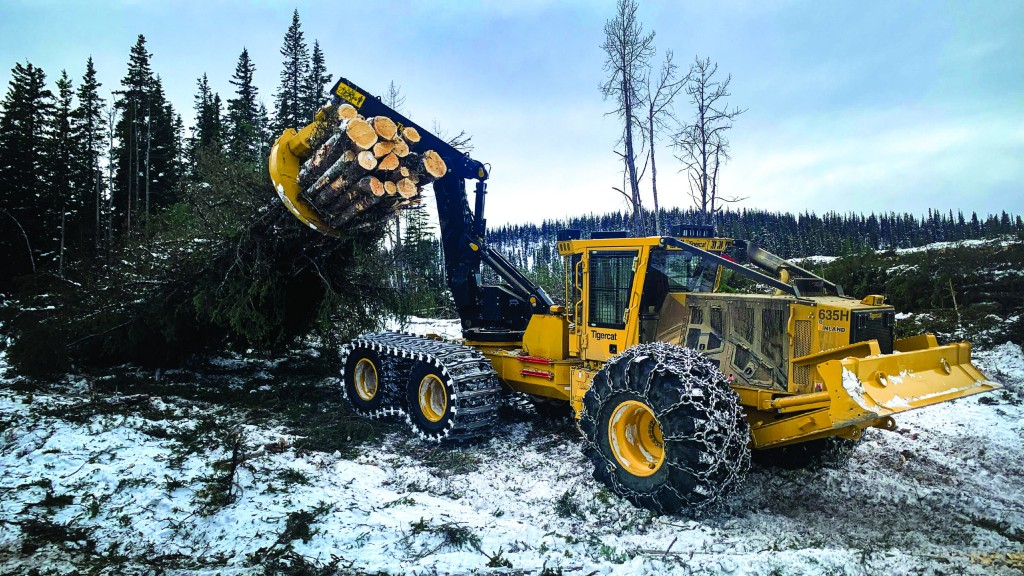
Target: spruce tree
[(313, 96), (294, 75), (208, 131), (264, 132), (134, 106), (26, 211), (61, 154), (161, 162), (89, 129), (243, 118)]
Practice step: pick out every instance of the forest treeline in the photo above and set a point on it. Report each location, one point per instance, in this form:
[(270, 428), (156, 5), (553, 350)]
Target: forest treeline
[(793, 235), (126, 237), (532, 246)]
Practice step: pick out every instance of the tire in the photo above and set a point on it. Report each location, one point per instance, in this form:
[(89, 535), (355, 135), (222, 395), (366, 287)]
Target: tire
[(363, 382), (430, 402), (664, 429), (812, 454)]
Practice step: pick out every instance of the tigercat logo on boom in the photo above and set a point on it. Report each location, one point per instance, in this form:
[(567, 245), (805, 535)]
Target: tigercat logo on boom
[(603, 335)]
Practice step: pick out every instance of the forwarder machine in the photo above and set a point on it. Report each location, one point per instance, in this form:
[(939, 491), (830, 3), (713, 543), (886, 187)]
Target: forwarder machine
[(671, 382)]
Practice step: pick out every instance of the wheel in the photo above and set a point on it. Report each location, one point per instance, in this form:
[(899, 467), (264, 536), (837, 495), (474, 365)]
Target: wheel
[(430, 401), (364, 382), (664, 429), (805, 454)]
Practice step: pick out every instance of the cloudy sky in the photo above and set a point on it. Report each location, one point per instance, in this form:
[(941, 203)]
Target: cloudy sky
[(854, 106)]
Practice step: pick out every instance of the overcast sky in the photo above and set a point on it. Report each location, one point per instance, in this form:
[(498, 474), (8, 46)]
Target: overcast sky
[(855, 106)]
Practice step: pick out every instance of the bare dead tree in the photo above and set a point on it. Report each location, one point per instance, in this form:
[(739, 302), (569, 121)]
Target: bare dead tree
[(658, 98), (628, 50), (702, 144)]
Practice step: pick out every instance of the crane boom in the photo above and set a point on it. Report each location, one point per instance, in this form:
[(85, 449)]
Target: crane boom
[(498, 313)]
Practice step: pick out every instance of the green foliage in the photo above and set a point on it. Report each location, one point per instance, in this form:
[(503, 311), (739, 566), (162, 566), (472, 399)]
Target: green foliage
[(985, 282), (566, 505), (453, 535), (421, 289), (227, 266)]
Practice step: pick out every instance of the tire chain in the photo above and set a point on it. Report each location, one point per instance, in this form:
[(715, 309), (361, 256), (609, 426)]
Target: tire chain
[(474, 390), (719, 471)]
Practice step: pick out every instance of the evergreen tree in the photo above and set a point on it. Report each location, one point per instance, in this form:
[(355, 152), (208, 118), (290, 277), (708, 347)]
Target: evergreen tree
[(264, 132), (89, 128), (208, 133), (61, 155), (313, 93), (161, 161), (425, 288), (243, 118), (133, 105), (146, 157), (292, 91), (26, 210)]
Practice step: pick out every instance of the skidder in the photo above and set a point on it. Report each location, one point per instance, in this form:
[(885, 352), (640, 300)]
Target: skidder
[(641, 347)]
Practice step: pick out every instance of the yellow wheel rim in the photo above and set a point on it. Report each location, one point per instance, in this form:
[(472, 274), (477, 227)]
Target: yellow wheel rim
[(433, 398), (634, 435), (365, 379)]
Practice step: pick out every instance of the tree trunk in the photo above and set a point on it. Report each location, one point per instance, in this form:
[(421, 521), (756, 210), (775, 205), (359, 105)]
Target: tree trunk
[(654, 174)]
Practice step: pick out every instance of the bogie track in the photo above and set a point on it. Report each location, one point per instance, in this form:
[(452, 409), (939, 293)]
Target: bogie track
[(446, 390)]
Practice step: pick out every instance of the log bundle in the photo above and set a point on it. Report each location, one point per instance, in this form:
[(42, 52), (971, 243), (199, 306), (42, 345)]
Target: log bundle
[(362, 163)]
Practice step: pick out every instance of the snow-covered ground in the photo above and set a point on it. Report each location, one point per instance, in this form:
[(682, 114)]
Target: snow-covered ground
[(120, 488)]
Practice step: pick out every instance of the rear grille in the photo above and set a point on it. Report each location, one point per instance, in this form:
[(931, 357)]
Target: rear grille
[(802, 347), (873, 325)]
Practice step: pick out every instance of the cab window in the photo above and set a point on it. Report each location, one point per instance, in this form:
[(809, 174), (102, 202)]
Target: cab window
[(682, 271), (611, 280)]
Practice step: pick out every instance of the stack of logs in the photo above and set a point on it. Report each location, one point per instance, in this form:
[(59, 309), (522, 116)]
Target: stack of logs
[(366, 162)]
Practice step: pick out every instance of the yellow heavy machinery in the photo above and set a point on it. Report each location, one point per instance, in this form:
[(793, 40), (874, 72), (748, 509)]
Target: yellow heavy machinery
[(672, 382)]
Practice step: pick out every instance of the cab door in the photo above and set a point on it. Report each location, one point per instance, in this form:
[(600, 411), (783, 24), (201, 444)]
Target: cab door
[(610, 278)]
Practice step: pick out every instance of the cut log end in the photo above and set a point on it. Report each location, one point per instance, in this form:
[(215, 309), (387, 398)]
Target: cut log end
[(361, 133), (371, 184), (347, 112), (433, 164), (401, 149), (390, 188), (383, 148), (385, 127), (389, 162), (406, 188), (367, 161), (411, 134)]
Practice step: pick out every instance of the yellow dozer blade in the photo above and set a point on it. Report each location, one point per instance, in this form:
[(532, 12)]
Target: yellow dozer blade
[(286, 158), (918, 373), (860, 387)]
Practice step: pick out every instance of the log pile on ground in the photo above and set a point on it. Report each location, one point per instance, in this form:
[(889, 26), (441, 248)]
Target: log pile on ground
[(361, 163)]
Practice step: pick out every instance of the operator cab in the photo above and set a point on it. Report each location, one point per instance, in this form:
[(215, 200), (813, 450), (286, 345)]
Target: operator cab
[(616, 286)]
